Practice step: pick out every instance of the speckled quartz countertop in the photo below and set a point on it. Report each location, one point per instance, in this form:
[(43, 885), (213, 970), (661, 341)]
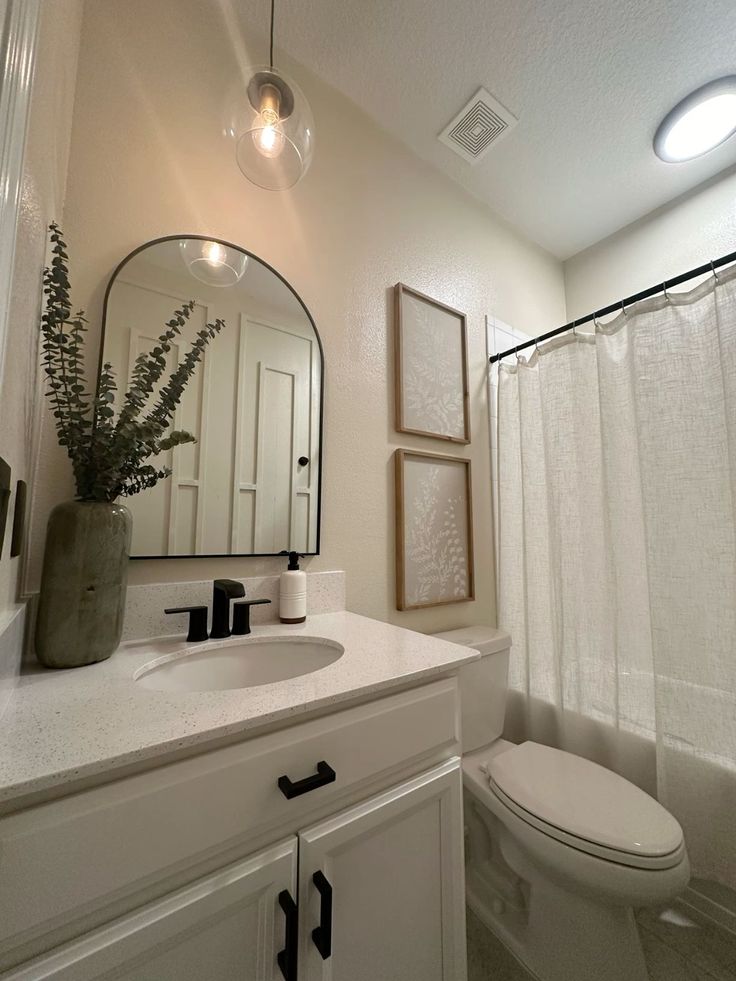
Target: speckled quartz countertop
[(64, 727)]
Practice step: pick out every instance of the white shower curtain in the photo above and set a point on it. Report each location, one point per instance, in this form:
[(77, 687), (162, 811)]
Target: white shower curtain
[(617, 553)]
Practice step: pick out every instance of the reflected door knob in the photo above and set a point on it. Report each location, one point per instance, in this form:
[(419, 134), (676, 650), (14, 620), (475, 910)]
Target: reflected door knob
[(303, 461)]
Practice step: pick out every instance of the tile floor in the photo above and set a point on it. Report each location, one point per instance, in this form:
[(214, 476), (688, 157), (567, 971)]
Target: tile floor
[(488, 959), (679, 948), (676, 947)]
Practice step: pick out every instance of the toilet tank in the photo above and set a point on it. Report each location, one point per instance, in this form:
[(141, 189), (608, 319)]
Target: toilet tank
[(483, 684)]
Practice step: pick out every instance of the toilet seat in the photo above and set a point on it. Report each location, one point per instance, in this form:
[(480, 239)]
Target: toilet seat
[(585, 806)]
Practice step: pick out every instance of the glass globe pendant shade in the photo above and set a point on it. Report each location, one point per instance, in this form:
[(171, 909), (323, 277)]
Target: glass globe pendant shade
[(275, 147), (212, 262)]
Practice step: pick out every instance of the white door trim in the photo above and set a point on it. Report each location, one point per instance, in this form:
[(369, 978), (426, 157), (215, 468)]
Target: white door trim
[(18, 35)]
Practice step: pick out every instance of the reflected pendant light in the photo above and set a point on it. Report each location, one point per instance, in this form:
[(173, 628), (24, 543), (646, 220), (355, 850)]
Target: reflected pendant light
[(276, 148), (212, 262)]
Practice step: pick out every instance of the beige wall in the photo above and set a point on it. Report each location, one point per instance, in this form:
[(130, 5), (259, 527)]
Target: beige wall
[(149, 158), (685, 234), (42, 199)]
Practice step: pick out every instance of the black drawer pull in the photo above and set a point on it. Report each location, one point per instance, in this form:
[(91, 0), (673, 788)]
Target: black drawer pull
[(322, 935), (286, 958), (324, 775)]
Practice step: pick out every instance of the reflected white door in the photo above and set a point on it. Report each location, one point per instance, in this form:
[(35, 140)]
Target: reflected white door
[(253, 406), (275, 507), (168, 519)]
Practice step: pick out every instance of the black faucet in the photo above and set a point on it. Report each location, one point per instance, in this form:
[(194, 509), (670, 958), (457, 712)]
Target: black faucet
[(222, 592)]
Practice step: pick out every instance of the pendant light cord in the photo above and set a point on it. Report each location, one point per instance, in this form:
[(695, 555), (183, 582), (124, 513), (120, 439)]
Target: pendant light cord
[(273, 5)]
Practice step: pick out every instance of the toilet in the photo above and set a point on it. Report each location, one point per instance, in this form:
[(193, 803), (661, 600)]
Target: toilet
[(559, 851)]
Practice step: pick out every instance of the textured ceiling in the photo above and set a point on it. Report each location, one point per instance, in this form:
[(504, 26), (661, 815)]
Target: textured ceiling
[(589, 81)]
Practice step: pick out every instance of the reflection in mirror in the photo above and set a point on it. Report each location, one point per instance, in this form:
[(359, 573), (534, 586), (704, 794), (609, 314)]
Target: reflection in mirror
[(250, 485)]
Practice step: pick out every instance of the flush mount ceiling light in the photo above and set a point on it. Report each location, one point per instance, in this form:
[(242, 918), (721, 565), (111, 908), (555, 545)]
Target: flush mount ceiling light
[(212, 262), (275, 150), (701, 122)]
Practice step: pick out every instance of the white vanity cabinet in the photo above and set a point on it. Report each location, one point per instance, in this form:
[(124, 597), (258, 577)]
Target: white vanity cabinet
[(381, 887), (225, 926), (379, 894)]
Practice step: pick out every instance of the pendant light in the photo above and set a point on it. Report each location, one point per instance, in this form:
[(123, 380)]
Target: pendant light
[(275, 150), (212, 262)]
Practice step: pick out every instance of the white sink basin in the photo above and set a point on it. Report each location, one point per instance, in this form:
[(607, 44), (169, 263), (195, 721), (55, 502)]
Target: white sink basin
[(244, 664)]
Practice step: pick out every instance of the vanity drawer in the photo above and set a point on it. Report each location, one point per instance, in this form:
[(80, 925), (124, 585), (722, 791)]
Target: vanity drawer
[(68, 857)]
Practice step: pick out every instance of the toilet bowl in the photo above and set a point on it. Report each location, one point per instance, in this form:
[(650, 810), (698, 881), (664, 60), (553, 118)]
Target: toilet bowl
[(559, 851)]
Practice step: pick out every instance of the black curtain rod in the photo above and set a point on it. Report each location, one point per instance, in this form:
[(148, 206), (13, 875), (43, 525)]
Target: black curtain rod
[(620, 305)]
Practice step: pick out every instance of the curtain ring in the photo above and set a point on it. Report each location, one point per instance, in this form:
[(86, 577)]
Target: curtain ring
[(574, 330), (624, 311), (713, 270), (595, 321), (516, 354), (666, 294)]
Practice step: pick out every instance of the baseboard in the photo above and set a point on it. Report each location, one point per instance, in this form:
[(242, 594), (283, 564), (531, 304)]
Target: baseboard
[(719, 910)]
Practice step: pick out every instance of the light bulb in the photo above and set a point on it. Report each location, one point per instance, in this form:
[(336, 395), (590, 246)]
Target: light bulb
[(269, 140), (214, 254), (268, 137)]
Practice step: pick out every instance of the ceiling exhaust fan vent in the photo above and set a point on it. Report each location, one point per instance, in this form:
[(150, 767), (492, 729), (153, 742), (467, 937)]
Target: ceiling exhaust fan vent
[(483, 122)]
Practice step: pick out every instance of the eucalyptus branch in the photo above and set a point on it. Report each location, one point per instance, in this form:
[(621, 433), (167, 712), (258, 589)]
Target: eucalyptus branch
[(149, 367), (108, 455), (171, 393)]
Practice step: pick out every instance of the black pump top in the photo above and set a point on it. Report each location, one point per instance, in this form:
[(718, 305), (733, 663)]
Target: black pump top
[(293, 561)]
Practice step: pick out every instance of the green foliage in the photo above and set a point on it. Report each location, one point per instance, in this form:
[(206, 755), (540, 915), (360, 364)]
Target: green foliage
[(109, 454)]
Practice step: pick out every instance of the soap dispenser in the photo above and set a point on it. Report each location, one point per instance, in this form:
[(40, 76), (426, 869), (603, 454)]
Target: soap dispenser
[(293, 593)]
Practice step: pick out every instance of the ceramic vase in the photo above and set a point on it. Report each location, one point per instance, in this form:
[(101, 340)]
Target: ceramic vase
[(85, 571)]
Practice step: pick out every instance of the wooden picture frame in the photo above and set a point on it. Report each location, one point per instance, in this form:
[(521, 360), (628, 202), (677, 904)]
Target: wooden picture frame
[(431, 361), (434, 530)]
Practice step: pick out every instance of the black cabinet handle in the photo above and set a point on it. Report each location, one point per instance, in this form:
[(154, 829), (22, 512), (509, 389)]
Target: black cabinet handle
[(324, 775), (286, 958), (322, 935)]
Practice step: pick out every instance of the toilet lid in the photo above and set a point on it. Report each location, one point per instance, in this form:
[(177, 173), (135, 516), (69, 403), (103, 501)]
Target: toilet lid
[(584, 800)]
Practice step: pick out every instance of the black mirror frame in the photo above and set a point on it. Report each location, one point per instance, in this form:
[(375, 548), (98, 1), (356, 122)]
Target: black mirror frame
[(251, 255)]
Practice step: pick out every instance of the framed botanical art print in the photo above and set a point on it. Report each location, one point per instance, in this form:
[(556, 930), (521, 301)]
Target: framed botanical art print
[(431, 367), (434, 530)]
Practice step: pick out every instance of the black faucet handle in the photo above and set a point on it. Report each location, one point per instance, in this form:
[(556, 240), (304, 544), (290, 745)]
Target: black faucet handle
[(197, 621), (241, 614), (232, 588)]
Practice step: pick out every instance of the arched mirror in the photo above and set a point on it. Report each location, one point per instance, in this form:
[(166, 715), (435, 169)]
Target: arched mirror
[(251, 484)]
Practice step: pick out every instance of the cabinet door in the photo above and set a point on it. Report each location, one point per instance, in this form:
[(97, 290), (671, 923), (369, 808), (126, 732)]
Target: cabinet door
[(229, 925), (388, 899)]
